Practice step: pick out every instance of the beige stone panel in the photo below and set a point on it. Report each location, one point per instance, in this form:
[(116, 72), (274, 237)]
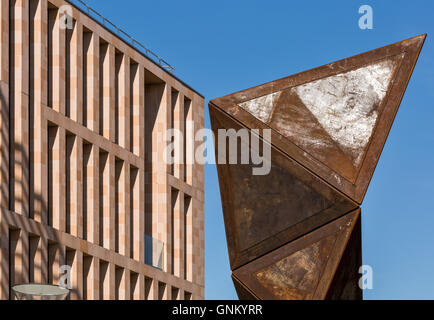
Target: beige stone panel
[(123, 207), (162, 124), (162, 291), (39, 50), (181, 235), (107, 94), (181, 294), (38, 259), (91, 278), (201, 244), (136, 216), (199, 121), (92, 82), (20, 42), (4, 257), (189, 253), (197, 258), (38, 94), (104, 208), (108, 280), (198, 205), (94, 199), (57, 40), (20, 104), (19, 264), (163, 189), (139, 292), (57, 187), (153, 290), (165, 225), (4, 40), (179, 124), (139, 239), (137, 286), (91, 196), (75, 188), (75, 260), (20, 154), (109, 213), (75, 81), (168, 292), (123, 103), (156, 122), (177, 213), (189, 131), (123, 289), (137, 110), (4, 145), (56, 259), (108, 205)]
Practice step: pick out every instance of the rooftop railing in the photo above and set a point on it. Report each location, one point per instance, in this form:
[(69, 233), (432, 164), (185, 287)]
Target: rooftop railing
[(122, 34)]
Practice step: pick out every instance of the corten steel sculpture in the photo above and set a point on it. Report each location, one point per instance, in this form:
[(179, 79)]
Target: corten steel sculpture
[(296, 233)]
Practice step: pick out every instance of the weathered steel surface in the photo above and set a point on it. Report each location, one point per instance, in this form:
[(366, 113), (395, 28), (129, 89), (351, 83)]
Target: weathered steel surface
[(345, 283), (322, 264), (334, 120), (265, 212), (295, 233), (243, 292)]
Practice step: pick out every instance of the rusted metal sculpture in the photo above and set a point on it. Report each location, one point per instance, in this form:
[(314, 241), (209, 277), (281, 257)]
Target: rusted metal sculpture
[(295, 233)]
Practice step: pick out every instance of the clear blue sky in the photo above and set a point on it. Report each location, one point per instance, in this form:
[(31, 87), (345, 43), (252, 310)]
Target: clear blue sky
[(219, 47)]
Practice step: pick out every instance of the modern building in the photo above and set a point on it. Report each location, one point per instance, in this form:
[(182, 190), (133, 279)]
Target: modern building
[(83, 179)]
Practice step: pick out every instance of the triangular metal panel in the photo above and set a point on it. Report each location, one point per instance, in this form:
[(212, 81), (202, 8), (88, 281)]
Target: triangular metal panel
[(322, 264), (263, 212), (334, 119)]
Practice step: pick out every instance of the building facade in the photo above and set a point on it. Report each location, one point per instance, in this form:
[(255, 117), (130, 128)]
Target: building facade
[(83, 178)]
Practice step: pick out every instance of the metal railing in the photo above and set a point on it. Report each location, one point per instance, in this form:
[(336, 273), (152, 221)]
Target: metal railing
[(125, 36)]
